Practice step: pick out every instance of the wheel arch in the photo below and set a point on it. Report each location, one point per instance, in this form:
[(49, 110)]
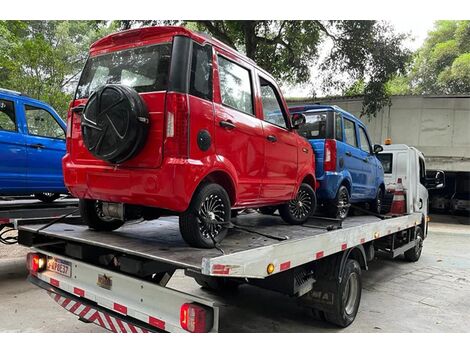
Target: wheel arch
[(223, 179), (310, 180), (357, 253)]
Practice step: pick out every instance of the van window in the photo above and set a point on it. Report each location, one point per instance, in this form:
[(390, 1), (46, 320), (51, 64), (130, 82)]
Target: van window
[(7, 116), (387, 161), (315, 126), (338, 128), (349, 132), (145, 69), (201, 72), (41, 123), (235, 86), (272, 110), (364, 140)]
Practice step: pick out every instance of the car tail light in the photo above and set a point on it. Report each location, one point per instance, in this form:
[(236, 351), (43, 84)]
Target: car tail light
[(177, 124), (36, 262), (329, 163), (195, 318)]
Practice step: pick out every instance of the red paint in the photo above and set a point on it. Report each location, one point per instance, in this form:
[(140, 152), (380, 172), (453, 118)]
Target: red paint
[(54, 282), (220, 269), (256, 172), (319, 255), (329, 163), (285, 266), (120, 308), (157, 323), (363, 240), (344, 246), (79, 292)]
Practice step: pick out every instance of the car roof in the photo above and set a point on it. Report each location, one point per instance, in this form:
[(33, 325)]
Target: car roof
[(7, 93), (323, 107)]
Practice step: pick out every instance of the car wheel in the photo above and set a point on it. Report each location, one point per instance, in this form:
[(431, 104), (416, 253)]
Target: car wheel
[(204, 223), (376, 204), (413, 254), (298, 210), (267, 210), (47, 197), (339, 208), (92, 214)]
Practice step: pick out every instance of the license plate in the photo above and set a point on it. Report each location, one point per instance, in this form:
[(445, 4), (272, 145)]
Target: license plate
[(59, 266)]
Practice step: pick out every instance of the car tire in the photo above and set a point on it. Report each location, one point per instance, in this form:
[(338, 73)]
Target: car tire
[(298, 210), (413, 254), (339, 207), (92, 215), (47, 197), (267, 210), (376, 205), (348, 296), (209, 203)]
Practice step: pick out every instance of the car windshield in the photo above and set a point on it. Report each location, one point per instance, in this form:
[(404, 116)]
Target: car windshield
[(145, 69), (315, 126)]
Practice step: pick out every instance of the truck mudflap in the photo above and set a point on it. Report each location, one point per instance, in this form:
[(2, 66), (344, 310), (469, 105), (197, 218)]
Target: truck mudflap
[(118, 302)]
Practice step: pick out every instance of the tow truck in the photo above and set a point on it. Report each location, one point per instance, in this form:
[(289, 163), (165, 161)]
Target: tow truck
[(118, 280)]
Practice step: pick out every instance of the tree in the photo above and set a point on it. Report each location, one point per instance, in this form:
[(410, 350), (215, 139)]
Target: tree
[(367, 51), (442, 65), (43, 59)]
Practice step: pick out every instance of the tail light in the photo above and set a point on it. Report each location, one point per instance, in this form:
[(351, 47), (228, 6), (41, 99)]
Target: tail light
[(329, 163), (195, 318), (36, 262), (177, 124)]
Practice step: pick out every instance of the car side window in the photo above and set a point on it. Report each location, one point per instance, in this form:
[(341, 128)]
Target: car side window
[(364, 140), (235, 86), (7, 116), (41, 123), (272, 110), (338, 128), (349, 132), (201, 72)]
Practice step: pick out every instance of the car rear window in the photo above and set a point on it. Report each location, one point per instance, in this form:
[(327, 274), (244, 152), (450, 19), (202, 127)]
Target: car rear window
[(386, 159), (145, 69), (315, 126)]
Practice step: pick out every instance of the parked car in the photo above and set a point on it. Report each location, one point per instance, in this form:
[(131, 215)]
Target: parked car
[(168, 121), (460, 201), (32, 144), (347, 168)]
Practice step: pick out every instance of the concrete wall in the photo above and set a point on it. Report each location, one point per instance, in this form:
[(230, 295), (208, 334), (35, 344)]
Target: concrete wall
[(439, 126)]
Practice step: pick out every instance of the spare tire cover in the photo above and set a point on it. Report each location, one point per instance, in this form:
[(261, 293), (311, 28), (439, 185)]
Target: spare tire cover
[(115, 123)]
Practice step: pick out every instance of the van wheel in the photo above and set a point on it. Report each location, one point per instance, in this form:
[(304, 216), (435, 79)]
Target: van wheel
[(339, 207), (348, 296), (204, 223), (376, 204), (47, 197), (298, 210), (92, 214), (413, 254)]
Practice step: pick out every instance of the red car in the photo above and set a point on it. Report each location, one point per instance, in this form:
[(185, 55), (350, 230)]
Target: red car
[(167, 121)]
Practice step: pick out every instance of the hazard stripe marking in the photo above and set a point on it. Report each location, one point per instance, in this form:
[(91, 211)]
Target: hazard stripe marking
[(120, 308)]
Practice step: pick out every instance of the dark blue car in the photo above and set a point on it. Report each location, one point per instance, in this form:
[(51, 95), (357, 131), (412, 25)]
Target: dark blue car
[(347, 168), (32, 144)]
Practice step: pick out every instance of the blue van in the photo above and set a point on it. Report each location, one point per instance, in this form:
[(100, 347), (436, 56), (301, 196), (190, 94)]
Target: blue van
[(347, 168), (32, 144)]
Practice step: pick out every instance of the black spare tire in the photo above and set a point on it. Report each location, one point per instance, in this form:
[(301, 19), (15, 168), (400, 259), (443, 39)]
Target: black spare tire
[(115, 123)]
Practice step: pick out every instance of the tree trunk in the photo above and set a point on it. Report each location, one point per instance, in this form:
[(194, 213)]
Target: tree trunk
[(250, 38)]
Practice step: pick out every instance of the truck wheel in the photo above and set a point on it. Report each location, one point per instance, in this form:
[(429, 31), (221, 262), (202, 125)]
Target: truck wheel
[(92, 214), (267, 210), (376, 204), (348, 296), (218, 284), (298, 210), (339, 207), (47, 197), (204, 223), (413, 254)]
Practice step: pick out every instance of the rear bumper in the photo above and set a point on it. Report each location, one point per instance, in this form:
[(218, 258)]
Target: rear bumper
[(168, 187)]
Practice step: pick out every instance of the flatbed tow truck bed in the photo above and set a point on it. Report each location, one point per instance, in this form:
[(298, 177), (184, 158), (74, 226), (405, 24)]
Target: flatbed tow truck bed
[(121, 275)]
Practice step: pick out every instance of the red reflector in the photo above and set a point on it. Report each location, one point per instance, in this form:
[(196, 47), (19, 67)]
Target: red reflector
[(284, 266), (35, 262), (319, 255), (195, 318), (157, 323), (79, 291), (54, 282), (344, 246), (120, 308)]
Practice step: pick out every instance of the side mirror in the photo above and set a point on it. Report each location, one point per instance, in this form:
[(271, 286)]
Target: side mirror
[(436, 182), (378, 148), (298, 120)]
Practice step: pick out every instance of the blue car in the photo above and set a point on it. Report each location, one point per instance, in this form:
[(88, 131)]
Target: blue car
[(32, 144), (347, 168)]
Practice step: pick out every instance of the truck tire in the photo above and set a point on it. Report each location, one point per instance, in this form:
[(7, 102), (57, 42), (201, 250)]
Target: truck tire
[(347, 297), (217, 284), (339, 207), (47, 197), (298, 210), (92, 215), (210, 203), (413, 254)]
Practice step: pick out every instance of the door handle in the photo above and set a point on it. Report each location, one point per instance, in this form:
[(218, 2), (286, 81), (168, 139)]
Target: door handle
[(348, 153), (271, 138), (37, 146), (227, 124)]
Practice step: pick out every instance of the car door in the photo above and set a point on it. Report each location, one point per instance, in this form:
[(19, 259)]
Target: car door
[(238, 132), (45, 148), (280, 160), (12, 149), (352, 157), (369, 165)]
